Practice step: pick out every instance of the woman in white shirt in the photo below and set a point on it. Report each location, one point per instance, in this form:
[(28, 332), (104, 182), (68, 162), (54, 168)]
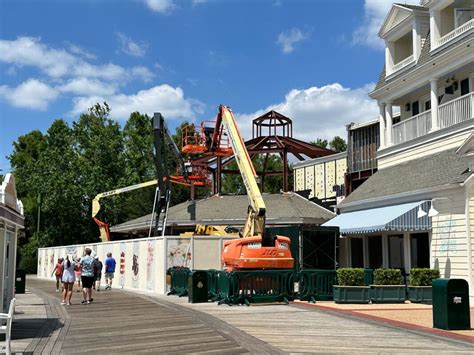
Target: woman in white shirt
[(68, 280)]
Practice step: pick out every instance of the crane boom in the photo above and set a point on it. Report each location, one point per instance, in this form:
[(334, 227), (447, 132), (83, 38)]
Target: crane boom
[(255, 223), (257, 249)]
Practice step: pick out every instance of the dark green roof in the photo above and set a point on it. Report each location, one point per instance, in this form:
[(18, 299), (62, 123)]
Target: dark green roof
[(445, 168)]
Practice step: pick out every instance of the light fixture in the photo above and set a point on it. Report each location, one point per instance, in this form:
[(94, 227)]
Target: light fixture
[(432, 212), (421, 213)]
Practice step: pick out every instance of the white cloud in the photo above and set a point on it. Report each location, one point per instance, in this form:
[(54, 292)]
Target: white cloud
[(288, 39), (85, 86), (143, 73), (130, 47), (162, 98), (375, 12), (73, 48), (320, 112), (161, 6), (57, 63), (197, 2), (31, 94)]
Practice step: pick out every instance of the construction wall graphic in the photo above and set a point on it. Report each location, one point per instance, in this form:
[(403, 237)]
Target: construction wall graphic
[(150, 265), (142, 263), (179, 253), (123, 247), (135, 263)]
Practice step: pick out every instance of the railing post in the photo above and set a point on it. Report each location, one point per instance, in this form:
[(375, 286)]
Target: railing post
[(382, 124), (434, 104)]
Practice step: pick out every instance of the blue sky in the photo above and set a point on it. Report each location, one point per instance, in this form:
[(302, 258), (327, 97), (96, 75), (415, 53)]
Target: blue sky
[(312, 60)]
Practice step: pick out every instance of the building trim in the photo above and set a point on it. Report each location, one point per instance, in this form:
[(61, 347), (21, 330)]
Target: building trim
[(325, 159)]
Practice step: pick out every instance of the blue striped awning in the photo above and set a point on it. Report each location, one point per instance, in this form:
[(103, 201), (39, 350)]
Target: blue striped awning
[(391, 218)]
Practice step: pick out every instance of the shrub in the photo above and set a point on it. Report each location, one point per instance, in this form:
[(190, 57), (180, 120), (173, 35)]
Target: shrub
[(423, 277), (388, 277), (350, 277)]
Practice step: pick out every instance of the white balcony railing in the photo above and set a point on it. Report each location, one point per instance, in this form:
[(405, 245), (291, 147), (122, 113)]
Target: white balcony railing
[(456, 111), (449, 114), (411, 128), (456, 32), (403, 63)]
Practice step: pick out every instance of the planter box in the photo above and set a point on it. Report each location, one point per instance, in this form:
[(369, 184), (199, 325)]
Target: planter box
[(387, 293), (420, 294), (351, 294)]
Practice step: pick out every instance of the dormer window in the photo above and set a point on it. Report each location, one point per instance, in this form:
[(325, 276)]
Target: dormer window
[(451, 22), (404, 31)]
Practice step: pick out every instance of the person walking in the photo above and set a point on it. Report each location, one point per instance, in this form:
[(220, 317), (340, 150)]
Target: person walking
[(68, 280), (77, 272), (109, 271), (87, 276), (98, 273), (58, 272)]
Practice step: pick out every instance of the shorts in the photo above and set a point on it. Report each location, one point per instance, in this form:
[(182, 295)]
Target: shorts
[(87, 281), (109, 275), (78, 278), (98, 277)]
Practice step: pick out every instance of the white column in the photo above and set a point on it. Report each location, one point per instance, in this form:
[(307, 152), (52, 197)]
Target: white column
[(434, 104), (385, 254), (435, 21), (407, 252), (382, 125), (365, 248), (389, 57), (388, 118)]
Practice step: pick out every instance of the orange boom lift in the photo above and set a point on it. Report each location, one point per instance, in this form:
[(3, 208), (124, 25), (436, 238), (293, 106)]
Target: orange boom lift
[(255, 249)]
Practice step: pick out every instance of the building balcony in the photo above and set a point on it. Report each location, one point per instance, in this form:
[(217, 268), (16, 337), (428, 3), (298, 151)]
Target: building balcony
[(449, 114), (403, 63), (456, 33)]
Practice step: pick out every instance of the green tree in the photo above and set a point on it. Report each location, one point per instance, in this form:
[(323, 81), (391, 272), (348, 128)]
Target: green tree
[(338, 144), (319, 142)]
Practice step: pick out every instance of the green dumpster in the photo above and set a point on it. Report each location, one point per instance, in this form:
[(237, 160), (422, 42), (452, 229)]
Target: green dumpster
[(451, 304), (197, 286), (20, 281)]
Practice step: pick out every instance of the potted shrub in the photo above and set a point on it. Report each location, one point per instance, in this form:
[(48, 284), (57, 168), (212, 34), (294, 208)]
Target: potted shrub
[(420, 284), (388, 286), (350, 287)]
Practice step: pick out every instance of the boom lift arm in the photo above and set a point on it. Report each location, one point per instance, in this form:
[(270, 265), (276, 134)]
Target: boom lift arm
[(257, 249)]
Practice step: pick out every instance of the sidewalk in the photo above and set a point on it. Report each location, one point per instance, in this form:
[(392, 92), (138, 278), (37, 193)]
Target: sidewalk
[(414, 316)]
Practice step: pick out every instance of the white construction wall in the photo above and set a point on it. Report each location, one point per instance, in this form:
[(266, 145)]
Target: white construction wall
[(142, 263)]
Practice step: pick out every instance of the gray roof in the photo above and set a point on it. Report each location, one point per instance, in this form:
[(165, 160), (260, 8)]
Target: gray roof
[(288, 208), (445, 168)]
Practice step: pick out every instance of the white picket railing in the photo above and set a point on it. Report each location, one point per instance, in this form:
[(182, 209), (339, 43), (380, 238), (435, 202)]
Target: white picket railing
[(403, 63), (456, 111), (411, 128), (456, 32)]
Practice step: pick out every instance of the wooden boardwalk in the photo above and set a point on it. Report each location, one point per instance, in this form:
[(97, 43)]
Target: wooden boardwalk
[(124, 322)]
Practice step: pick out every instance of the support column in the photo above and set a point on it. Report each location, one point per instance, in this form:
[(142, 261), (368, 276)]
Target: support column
[(389, 57), (385, 253), (434, 105), (382, 125), (218, 175), (389, 119), (365, 248), (435, 21), (285, 171), (407, 252)]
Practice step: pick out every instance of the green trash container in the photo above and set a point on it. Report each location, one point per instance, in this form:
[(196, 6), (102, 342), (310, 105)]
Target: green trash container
[(20, 281), (451, 304), (197, 286)]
